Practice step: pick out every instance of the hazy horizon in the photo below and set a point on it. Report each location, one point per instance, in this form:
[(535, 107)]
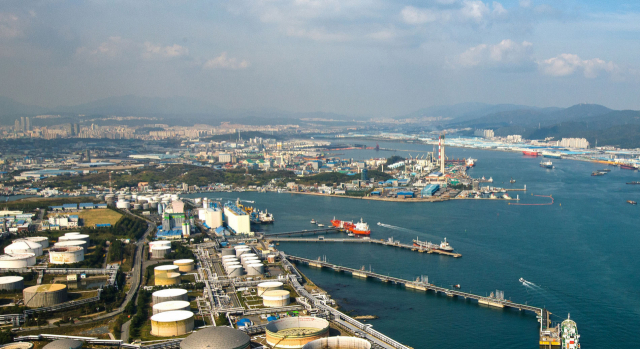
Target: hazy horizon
[(354, 57)]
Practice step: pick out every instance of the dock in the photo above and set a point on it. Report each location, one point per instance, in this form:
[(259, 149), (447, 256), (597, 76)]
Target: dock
[(301, 232), (391, 243), (496, 302)]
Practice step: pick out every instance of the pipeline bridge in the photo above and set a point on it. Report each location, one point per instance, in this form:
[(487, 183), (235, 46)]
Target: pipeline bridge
[(422, 286), (389, 242), (302, 232)]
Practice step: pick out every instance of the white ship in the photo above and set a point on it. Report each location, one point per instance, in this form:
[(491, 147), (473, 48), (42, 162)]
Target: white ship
[(570, 336)]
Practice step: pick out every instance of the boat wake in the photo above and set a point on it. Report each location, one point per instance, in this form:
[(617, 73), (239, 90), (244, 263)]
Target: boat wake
[(413, 232), (530, 284)]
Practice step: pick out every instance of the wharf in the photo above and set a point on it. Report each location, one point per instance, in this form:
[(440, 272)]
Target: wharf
[(364, 241), (422, 286)]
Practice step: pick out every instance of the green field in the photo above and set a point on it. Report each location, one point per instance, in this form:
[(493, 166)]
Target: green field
[(97, 216)]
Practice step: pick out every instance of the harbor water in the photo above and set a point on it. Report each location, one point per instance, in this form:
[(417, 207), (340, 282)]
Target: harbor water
[(578, 254)]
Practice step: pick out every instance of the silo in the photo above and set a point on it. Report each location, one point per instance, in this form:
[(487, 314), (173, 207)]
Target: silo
[(171, 306), (339, 342), (269, 286), (168, 279), (255, 269), (66, 255), (66, 343), (227, 252), (295, 332), (163, 269), (184, 265), (17, 260), (276, 298), (74, 237), (43, 241), (11, 283), (170, 294), (24, 246), (172, 323), (235, 271), (70, 243), (160, 251), (220, 337), (44, 295)]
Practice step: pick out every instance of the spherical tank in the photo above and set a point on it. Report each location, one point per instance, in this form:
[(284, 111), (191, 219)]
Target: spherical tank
[(163, 269), (255, 269), (170, 294), (168, 279), (295, 332), (220, 337), (66, 255), (276, 298), (43, 241), (24, 246), (269, 286), (17, 260), (339, 342), (160, 252), (11, 283), (81, 243), (184, 265), (172, 323), (45, 295), (66, 343), (235, 271), (171, 306)]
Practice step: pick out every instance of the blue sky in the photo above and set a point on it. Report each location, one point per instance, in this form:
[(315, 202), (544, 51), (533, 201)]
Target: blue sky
[(357, 57)]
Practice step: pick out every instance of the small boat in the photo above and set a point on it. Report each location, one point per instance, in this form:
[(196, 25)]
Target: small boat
[(313, 221), (456, 286), (379, 223), (632, 202), (546, 164), (512, 180), (522, 280), (634, 182), (605, 170), (320, 225), (350, 234), (597, 173)]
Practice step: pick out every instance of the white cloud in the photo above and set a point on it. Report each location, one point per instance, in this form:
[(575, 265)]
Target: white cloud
[(475, 10), (224, 62), (505, 53), (9, 26), (413, 15), (525, 3), (498, 9), (151, 50), (115, 46), (317, 34), (568, 64)]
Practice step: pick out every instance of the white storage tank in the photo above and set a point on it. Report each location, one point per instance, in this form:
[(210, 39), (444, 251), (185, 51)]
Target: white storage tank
[(171, 306), (43, 241), (163, 269), (11, 283), (83, 244), (168, 279), (17, 260), (160, 252), (66, 255), (247, 255), (230, 261), (233, 256), (185, 265), (227, 252), (248, 261), (123, 204), (170, 294), (338, 342), (24, 246), (276, 298), (159, 243), (235, 271), (74, 237), (137, 206), (255, 269)]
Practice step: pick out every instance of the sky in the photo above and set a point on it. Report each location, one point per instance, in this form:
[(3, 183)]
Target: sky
[(356, 57)]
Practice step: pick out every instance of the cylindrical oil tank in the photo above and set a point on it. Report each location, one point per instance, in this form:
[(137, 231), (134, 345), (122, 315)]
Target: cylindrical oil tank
[(24, 246), (74, 237), (184, 265), (247, 255), (255, 269), (168, 279), (229, 256), (171, 306), (240, 251), (44, 295), (145, 206), (276, 298), (66, 343), (11, 283), (72, 233), (17, 260), (295, 332), (123, 204), (228, 261), (153, 204), (159, 243), (248, 261), (170, 294), (81, 243), (137, 206), (66, 255), (269, 286), (163, 269), (160, 252), (220, 337), (43, 241), (339, 342), (172, 323), (235, 271), (17, 345), (227, 252)]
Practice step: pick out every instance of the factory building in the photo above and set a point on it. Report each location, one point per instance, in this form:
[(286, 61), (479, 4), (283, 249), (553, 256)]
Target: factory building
[(172, 323), (44, 295), (295, 332), (213, 217), (221, 337), (237, 219)]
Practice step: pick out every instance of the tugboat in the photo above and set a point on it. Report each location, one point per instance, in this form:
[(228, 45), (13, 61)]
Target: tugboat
[(313, 221), (632, 202), (456, 286), (320, 225), (570, 336), (546, 164), (512, 180), (634, 182)]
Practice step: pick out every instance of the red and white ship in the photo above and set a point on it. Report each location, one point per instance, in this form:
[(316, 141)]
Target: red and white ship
[(530, 153), (360, 228)]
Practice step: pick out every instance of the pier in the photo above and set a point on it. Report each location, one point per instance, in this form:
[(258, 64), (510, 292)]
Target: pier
[(302, 232), (423, 286), (369, 241)]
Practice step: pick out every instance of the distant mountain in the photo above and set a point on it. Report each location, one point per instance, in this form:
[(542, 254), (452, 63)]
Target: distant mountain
[(143, 106), (10, 110), (467, 111)]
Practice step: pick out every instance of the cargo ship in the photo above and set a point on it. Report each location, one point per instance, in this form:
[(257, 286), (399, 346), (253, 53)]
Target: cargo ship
[(627, 167), (471, 162), (634, 182), (570, 336), (444, 245), (530, 153), (552, 155), (546, 164), (360, 228), (260, 217)]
